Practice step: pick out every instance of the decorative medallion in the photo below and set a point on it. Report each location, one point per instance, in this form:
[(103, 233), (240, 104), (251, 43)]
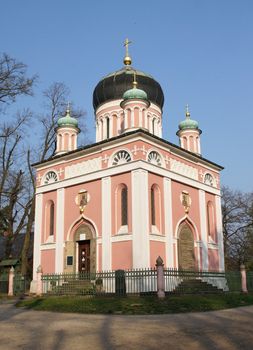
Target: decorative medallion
[(208, 179), (50, 177), (121, 157), (155, 158), (186, 201), (82, 200)]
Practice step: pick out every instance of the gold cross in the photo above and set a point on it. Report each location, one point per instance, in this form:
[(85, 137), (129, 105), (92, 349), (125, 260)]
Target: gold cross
[(126, 44)]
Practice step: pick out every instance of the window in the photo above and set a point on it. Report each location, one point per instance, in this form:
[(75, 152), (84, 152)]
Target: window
[(153, 126), (155, 158), (107, 128), (211, 221), (152, 206), (208, 180), (155, 210), (124, 211), (121, 157), (50, 177), (51, 220)]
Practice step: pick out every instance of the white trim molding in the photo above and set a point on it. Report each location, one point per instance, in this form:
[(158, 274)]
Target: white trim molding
[(203, 228), (168, 224), (37, 234), (140, 219), (219, 232), (106, 224), (60, 215)]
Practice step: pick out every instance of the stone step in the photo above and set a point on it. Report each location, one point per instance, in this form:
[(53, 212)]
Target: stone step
[(192, 286)]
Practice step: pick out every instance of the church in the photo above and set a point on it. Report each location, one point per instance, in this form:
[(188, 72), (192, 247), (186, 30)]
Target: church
[(131, 196)]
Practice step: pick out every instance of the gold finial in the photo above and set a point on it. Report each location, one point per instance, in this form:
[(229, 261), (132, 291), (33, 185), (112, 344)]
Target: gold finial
[(68, 109), (135, 82), (187, 112), (127, 58)]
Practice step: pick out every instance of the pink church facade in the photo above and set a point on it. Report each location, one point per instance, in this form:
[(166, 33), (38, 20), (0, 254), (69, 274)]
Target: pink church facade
[(131, 196)]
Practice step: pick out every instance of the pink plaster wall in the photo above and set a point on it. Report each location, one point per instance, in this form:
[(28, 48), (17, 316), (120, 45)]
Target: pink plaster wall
[(48, 260), (122, 255), (213, 259), (157, 249)]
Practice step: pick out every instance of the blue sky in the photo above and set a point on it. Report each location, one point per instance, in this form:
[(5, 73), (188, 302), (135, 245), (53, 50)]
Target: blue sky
[(200, 51)]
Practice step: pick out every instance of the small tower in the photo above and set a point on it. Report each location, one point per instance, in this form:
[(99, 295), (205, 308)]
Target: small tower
[(66, 130), (189, 134), (135, 104)]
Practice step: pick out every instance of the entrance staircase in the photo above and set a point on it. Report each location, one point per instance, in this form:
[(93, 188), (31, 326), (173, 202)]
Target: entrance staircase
[(74, 287), (196, 286)]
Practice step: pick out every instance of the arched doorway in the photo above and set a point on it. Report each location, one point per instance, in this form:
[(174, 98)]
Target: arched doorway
[(80, 253), (186, 256)]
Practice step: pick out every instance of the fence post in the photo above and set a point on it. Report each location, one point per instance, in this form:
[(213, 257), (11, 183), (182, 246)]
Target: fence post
[(244, 279), (39, 281), (11, 282), (160, 278)]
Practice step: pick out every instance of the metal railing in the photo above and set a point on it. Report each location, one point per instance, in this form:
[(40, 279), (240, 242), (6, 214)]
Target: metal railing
[(143, 282), (4, 283)]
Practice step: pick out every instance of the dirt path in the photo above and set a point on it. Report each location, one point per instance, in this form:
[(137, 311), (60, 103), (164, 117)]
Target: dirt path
[(228, 329)]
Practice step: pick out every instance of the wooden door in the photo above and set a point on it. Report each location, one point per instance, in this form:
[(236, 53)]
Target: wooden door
[(84, 256)]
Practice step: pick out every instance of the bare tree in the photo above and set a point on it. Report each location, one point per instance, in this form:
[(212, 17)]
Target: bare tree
[(56, 97), (237, 210), (13, 80), (17, 183)]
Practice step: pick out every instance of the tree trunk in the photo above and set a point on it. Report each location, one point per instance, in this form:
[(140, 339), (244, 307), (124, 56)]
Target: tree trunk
[(25, 248)]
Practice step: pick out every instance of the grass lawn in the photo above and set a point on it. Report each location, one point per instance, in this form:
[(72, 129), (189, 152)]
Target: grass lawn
[(138, 305)]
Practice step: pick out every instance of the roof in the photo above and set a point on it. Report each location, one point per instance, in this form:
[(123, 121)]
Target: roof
[(127, 135), (9, 262), (113, 86)]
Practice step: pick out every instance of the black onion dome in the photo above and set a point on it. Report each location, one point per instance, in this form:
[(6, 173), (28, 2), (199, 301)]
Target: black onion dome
[(113, 86)]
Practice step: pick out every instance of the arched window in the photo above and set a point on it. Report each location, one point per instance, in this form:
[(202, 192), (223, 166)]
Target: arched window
[(124, 209), (51, 219), (211, 221), (208, 179), (153, 206), (121, 209), (155, 209), (153, 126), (107, 128)]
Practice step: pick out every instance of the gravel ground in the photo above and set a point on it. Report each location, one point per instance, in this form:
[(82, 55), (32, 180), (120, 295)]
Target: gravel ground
[(27, 329)]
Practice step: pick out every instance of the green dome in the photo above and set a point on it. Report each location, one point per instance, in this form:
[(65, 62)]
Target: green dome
[(188, 124), (67, 120), (135, 93)]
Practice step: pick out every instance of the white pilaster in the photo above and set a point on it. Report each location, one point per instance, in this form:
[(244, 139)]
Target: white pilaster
[(140, 219), (118, 124), (37, 234), (60, 205), (132, 117), (203, 229), (106, 224), (219, 232), (168, 222), (100, 130), (97, 131), (125, 119), (145, 119)]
